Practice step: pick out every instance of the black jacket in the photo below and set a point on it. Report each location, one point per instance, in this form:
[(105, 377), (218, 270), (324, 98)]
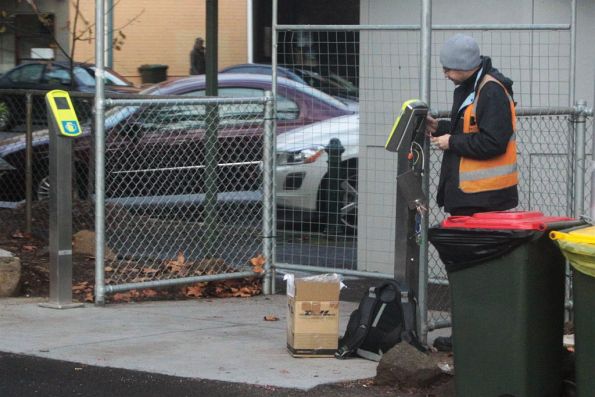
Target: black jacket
[(495, 123)]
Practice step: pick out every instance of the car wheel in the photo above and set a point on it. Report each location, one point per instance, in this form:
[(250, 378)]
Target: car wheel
[(348, 200), (41, 190)]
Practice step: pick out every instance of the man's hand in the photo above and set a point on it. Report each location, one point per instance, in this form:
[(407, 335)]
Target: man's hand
[(440, 142), (431, 125)]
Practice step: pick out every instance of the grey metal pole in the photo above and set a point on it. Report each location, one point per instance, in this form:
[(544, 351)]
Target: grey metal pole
[(572, 144), (273, 208), (268, 188), (211, 143), (425, 90), (99, 154), (572, 70), (29, 165), (579, 186), (110, 34)]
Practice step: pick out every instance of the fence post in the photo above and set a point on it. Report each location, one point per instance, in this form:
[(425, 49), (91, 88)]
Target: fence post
[(29, 164), (99, 117), (268, 204), (334, 150), (579, 121), (425, 91)]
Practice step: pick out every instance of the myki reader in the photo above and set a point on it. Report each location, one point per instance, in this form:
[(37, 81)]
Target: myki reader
[(63, 125), (407, 138), (61, 108)]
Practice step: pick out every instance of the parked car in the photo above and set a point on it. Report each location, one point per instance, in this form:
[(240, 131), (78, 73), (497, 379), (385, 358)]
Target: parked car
[(155, 150), (46, 76), (302, 169), (332, 84)]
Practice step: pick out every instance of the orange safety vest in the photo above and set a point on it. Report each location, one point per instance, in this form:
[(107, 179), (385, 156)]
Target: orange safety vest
[(497, 173)]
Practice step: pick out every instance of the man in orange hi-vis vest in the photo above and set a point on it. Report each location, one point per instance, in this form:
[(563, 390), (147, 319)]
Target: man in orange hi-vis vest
[(479, 167)]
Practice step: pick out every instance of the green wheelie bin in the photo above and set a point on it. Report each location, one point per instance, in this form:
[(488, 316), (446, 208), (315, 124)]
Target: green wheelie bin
[(507, 302), (578, 246)]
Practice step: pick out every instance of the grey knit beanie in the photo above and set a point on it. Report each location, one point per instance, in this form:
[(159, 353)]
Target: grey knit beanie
[(460, 52)]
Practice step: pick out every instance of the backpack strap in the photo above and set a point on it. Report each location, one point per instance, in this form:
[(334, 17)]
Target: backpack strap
[(356, 333), (408, 331)]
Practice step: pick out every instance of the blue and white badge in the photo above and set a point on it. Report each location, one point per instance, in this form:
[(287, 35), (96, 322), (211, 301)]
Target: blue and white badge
[(71, 127)]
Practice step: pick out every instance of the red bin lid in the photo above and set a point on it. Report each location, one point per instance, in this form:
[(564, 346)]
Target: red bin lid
[(508, 220)]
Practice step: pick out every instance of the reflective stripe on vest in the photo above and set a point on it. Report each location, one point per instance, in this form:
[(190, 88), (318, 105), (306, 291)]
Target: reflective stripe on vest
[(497, 173)]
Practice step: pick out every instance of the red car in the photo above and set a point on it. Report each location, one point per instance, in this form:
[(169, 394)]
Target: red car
[(158, 150)]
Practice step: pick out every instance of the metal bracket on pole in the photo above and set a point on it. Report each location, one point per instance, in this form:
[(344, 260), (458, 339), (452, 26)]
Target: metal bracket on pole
[(63, 125)]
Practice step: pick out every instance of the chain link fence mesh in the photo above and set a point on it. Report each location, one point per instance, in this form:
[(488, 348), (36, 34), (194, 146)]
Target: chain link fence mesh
[(168, 215), (17, 107), (384, 67), (157, 227)]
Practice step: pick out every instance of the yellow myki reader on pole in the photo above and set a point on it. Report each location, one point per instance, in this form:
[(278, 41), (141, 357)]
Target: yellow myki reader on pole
[(407, 138), (63, 125), (407, 125), (61, 107)]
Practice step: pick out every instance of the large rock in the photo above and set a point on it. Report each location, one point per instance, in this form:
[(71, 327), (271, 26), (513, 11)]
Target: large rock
[(83, 243), (10, 274), (405, 366)]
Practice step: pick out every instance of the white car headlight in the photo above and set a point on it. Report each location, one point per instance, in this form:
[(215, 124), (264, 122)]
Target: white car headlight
[(300, 156)]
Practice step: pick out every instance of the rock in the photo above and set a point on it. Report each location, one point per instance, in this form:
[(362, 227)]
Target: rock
[(405, 366), (83, 243), (10, 274)]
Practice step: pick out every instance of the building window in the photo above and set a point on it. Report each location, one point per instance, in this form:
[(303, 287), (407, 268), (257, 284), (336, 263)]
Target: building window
[(33, 32)]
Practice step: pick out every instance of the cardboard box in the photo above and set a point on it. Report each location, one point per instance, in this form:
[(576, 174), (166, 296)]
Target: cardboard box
[(313, 315)]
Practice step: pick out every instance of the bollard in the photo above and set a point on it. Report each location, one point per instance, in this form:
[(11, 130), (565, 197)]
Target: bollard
[(335, 172)]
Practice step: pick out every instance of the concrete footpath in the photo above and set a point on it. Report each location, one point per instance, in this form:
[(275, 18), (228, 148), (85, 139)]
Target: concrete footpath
[(215, 339)]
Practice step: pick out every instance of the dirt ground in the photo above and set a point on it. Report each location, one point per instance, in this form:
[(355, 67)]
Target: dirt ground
[(33, 251)]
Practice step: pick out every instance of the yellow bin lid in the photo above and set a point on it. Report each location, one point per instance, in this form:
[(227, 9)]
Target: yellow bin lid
[(583, 235), (578, 246)]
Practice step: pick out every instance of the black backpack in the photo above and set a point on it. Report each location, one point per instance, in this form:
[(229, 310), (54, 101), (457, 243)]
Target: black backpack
[(385, 316)]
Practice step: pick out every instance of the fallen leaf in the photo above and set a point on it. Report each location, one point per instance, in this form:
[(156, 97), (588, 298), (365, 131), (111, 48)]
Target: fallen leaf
[(257, 269), (178, 265), (122, 297), (109, 269), (29, 248), (80, 286), (181, 258), (89, 297), (271, 317), (194, 291), (149, 293), (258, 261)]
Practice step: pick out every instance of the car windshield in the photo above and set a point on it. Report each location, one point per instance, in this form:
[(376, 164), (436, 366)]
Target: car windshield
[(115, 115), (84, 76), (87, 77), (333, 84)]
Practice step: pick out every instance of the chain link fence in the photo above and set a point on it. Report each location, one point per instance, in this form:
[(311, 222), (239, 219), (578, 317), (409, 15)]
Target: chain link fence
[(171, 219), (183, 199), (383, 63), (183, 184)]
